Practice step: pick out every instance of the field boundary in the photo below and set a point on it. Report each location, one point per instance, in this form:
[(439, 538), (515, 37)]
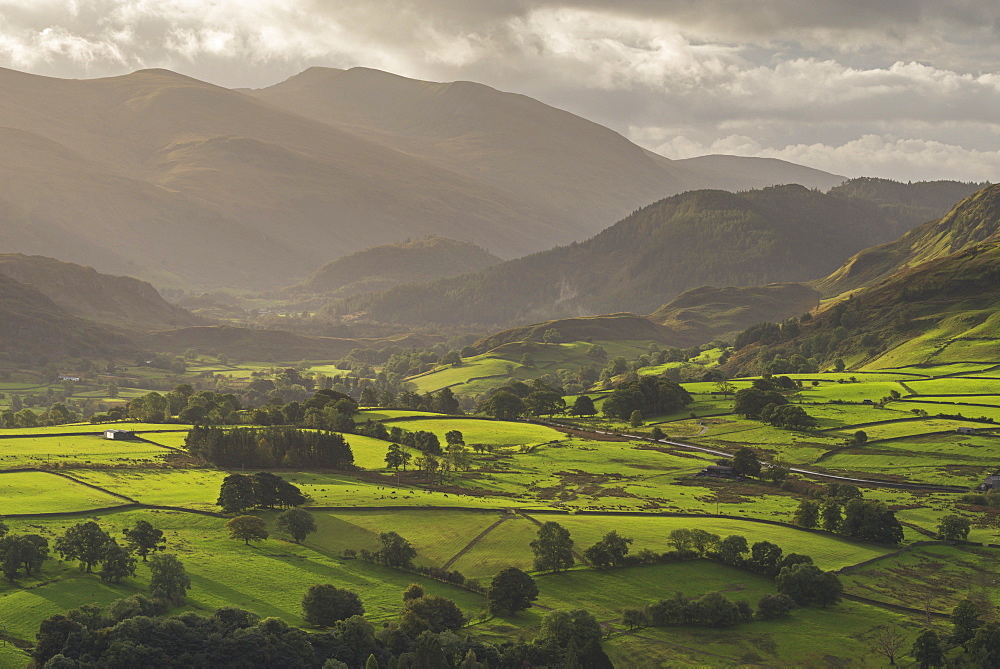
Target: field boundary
[(472, 544)]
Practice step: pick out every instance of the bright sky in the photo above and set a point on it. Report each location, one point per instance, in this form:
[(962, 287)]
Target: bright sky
[(908, 89)]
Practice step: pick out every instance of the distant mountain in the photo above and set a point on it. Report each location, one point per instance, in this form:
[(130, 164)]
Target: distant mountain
[(187, 184), (743, 173), (570, 170), (973, 220), (778, 234), (34, 330), (706, 313), (382, 267), (84, 292)]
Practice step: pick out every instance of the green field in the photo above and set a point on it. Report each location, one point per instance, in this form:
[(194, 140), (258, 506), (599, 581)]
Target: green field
[(76, 451), (42, 492)]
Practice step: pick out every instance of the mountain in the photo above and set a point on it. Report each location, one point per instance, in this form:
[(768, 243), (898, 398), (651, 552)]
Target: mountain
[(778, 234), (568, 169), (706, 313), (177, 181), (974, 219), (382, 267), (84, 292), (164, 177), (743, 173), (34, 330)]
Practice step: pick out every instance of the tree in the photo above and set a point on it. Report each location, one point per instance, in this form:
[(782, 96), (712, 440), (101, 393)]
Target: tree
[(544, 403), (236, 494), (503, 405), (887, 640), (985, 646), (656, 433), (610, 551), (807, 515), (431, 613), (247, 528), (808, 584), (144, 539), (168, 578), (770, 607), (634, 618), (724, 387), (927, 650), (871, 521), (85, 542), (395, 551), (414, 591), (117, 564), (731, 549), (511, 590), (635, 419), (749, 402), (553, 548), (324, 604), (703, 542), (965, 622), (296, 523), (831, 516), (954, 528), (16, 551), (397, 457), (746, 463), (583, 406)]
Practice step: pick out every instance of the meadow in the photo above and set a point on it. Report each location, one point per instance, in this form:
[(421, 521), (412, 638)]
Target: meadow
[(482, 520)]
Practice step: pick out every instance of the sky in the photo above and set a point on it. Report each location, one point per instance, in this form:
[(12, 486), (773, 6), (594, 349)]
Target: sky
[(903, 89)]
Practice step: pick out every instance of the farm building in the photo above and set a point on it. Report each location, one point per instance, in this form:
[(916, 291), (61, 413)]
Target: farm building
[(718, 472), (991, 483), (66, 377), (966, 430), (868, 402), (119, 434)]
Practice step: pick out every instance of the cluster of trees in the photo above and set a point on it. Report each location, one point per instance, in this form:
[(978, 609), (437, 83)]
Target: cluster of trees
[(455, 457), (650, 396), (269, 447), (844, 510), (57, 414), (711, 610), (516, 399), (262, 490), (978, 639), (21, 550)]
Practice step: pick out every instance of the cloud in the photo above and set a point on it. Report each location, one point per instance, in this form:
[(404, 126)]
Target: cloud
[(816, 80)]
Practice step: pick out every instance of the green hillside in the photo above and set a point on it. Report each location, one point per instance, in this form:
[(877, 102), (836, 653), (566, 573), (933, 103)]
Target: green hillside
[(942, 311), (923, 200), (972, 220), (382, 267), (785, 233)]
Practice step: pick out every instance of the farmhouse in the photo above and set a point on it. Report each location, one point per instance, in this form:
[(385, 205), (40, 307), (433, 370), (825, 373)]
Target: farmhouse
[(718, 472), (991, 483), (119, 434), (966, 430), (65, 377)]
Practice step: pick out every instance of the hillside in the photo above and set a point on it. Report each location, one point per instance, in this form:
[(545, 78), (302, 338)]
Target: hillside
[(777, 234), (84, 292), (382, 267), (926, 199), (974, 219), (610, 327), (568, 168), (174, 180), (945, 310), (35, 330), (706, 313)]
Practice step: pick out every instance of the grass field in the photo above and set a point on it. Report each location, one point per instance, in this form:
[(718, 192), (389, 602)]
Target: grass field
[(41, 492), (76, 451)]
